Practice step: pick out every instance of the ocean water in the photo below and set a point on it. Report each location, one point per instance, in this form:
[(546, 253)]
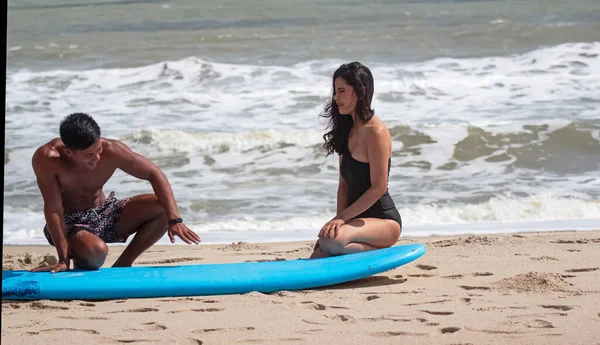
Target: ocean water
[(494, 109)]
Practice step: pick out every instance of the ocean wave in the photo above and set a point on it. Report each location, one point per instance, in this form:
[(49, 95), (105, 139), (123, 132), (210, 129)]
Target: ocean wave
[(429, 217)]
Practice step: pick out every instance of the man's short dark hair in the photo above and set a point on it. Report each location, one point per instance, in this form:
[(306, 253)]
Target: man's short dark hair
[(79, 131)]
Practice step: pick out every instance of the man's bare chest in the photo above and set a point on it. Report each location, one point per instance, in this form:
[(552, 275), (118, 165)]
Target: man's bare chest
[(73, 181)]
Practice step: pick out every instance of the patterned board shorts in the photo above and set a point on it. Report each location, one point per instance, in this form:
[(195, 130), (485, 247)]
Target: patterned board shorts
[(100, 221)]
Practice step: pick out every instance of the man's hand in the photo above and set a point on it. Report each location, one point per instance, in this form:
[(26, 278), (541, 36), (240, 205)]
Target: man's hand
[(183, 232), (58, 267), (330, 229)]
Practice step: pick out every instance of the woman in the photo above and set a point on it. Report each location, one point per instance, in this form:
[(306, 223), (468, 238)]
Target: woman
[(366, 216)]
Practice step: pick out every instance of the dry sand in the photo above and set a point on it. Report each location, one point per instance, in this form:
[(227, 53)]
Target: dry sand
[(534, 288)]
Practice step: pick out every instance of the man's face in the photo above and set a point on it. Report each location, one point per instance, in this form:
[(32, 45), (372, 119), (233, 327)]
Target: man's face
[(89, 157)]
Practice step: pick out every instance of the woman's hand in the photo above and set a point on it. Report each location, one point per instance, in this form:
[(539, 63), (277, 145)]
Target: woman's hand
[(330, 229)]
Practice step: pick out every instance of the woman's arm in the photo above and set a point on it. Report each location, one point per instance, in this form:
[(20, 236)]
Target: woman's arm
[(342, 194)]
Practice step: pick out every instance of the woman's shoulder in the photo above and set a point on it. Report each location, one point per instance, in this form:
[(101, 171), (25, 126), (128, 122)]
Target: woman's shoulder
[(376, 128)]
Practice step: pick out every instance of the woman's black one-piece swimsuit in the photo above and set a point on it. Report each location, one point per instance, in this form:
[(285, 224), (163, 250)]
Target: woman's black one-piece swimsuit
[(358, 178)]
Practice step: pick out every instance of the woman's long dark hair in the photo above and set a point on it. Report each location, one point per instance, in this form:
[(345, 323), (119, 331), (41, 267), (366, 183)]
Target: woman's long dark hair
[(360, 78)]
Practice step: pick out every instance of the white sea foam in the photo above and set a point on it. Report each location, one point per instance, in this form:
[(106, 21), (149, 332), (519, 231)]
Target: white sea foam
[(497, 215)]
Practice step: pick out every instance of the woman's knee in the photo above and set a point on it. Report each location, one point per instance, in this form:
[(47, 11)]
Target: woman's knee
[(333, 246)]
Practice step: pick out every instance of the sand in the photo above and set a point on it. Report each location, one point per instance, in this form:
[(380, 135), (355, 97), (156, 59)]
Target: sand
[(533, 288)]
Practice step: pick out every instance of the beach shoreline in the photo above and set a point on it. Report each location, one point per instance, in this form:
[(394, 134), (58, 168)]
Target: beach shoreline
[(522, 288)]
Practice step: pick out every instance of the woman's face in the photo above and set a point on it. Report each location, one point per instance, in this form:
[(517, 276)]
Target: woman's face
[(344, 96)]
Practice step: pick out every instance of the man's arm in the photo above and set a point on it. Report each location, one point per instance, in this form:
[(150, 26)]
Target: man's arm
[(53, 209), (138, 166)]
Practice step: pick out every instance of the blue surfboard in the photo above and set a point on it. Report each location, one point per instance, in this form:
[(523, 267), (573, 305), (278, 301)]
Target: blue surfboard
[(202, 280)]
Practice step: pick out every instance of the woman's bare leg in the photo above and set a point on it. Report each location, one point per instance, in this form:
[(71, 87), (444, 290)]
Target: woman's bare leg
[(359, 235)]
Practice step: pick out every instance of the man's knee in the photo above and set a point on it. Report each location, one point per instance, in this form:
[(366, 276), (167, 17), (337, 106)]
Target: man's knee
[(155, 208), (88, 251), (92, 262), (159, 215), (163, 220)]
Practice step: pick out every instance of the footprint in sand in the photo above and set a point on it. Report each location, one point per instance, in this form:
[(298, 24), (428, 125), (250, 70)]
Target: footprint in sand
[(466, 287), (493, 331), (535, 316), (437, 312), (310, 331), (544, 258), (40, 305), (138, 310), (130, 341), (153, 326), (427, 302), (168, 261), (400, 279), (266, 260), (315, 306), (466, 300), (454, 276), (148, 326), (88, 331), (253, 341), (445, 243), (84, 318), (343, 318), (426, 267), (239, 246), (421, 275), (207, 330), (582, 241), (189, 299), (195, 341), (396, 334), (539, 323), (386, 318), (201, 310), (483, 274), (87, 304), (568, 276), (556, 306), (210, 330), (577, 270), (370, 298), (563, 241), (314, 322), (449, 330)]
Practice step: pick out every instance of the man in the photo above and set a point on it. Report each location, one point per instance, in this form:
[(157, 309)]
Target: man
[(71, 172)]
